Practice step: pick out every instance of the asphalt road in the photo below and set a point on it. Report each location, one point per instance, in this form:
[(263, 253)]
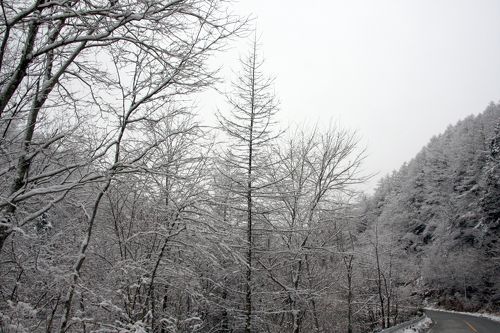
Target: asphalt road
[(447, 322)]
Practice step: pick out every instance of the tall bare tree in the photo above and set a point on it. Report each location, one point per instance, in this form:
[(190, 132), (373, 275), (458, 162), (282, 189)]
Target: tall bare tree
[(249, 127)]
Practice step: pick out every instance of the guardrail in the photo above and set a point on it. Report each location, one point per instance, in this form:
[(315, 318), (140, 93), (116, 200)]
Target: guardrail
[(406, 324)]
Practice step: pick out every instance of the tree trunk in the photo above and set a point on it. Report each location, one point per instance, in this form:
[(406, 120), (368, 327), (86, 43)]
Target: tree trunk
[(349, 297)]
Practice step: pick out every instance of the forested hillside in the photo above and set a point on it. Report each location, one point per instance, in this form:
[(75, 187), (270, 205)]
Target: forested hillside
[(442, 210)]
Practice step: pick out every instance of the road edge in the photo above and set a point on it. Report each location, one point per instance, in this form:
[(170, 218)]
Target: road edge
[(490, 316)]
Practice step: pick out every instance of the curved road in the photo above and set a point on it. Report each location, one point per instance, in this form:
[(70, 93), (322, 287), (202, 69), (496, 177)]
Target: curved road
[(448, 322)]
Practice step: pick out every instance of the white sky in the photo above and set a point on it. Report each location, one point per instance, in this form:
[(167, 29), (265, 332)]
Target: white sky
[(397, 71)]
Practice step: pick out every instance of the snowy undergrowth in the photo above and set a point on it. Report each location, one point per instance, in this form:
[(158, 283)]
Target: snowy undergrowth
[(491, 316), (420, 327)]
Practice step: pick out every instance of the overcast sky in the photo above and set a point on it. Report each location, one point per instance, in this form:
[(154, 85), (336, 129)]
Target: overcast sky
[(397, 71)]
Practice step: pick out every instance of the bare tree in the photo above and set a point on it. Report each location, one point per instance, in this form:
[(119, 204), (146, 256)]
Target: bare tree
[(317, 170), (83, 83), (56, 60), (249, 128), (346, 247)]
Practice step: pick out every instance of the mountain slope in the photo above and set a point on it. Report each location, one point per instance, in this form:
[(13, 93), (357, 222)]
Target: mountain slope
[(443, 207)]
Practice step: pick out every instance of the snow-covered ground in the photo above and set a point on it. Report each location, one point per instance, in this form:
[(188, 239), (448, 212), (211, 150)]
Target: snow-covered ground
[(475, 314), (417, 325), (420, 327)]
